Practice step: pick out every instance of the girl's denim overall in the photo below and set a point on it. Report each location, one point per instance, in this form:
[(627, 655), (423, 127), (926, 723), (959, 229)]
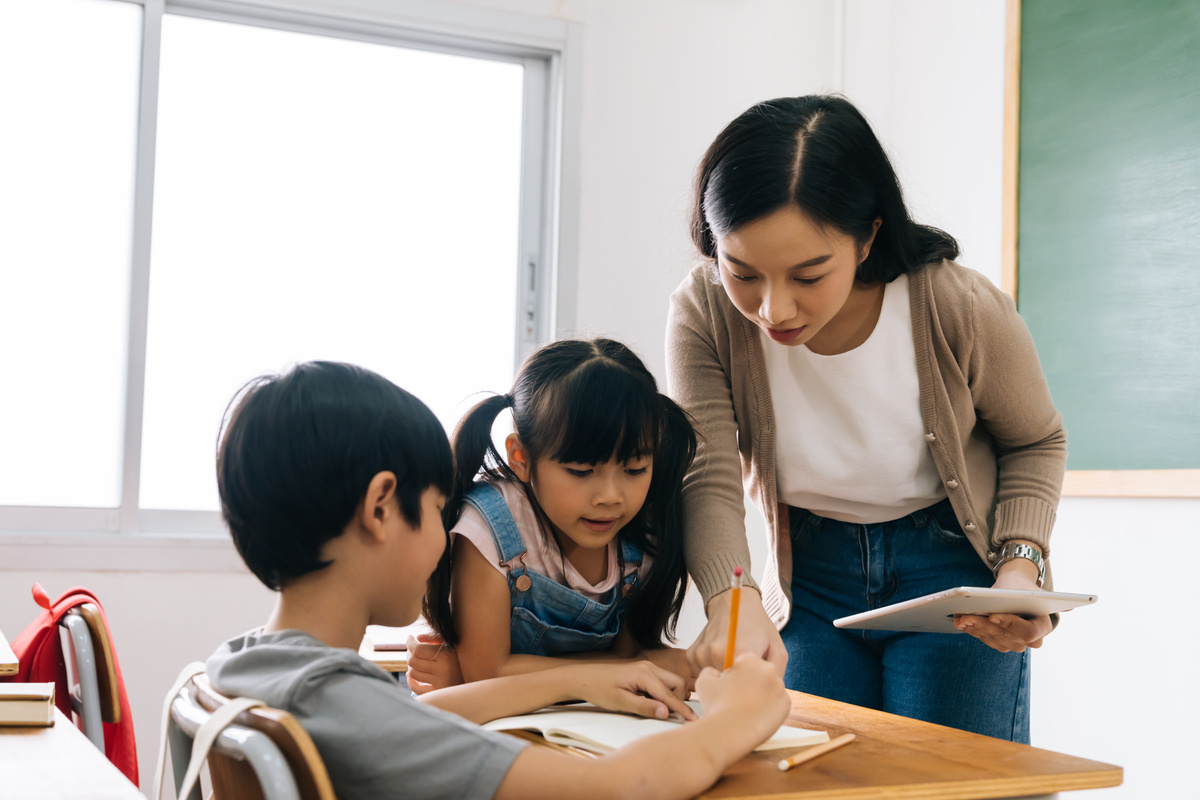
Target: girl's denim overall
[(549, 618)]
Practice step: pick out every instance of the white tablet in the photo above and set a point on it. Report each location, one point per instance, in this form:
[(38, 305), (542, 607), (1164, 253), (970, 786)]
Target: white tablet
[(934, 613)]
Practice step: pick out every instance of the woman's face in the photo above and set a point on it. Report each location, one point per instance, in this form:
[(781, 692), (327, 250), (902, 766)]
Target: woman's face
[(795, 280)]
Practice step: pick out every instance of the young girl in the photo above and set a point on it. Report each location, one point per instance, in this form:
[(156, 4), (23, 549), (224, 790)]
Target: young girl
[(572, 542), (884, 407)]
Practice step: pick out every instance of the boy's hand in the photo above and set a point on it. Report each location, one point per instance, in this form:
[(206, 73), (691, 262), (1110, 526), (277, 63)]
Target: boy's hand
[(672, 659), (639, 688), (750, 694), (430, 664)]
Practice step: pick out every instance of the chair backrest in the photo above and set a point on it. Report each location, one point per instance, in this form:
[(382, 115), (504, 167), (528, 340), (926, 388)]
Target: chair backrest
[(264, 755), (91, 671)]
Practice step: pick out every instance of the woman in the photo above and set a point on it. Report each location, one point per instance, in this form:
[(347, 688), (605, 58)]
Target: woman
[(883, 406)]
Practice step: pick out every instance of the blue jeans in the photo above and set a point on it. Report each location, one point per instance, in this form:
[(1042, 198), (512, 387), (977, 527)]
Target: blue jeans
[(840, 568)]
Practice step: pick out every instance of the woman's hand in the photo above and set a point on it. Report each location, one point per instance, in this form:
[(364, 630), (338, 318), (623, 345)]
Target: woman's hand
[(430, 664), (1009, 632), (672, 659), (638, 688), (756, 634)]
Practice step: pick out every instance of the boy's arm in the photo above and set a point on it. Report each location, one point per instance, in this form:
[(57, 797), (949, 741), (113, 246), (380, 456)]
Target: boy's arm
[(639, 688), (745, 704)]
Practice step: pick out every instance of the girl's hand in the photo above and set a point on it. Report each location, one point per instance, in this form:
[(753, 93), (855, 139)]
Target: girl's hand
[(430, 664), (750, 693), (672, 659), (639, 688), (1008, 632), (756, 634)]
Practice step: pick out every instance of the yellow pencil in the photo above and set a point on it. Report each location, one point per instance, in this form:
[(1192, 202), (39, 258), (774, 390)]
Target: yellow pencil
[(735, 600), (819, 750)]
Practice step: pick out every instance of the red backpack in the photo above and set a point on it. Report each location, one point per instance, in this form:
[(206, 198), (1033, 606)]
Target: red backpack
[(41, 659)]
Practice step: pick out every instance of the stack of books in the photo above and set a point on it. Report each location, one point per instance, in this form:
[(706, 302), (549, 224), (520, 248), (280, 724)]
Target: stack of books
[(30, 704)]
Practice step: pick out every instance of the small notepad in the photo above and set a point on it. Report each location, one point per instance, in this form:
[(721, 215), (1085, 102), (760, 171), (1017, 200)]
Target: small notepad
[(387, 639), (29, 704), (598, 731)]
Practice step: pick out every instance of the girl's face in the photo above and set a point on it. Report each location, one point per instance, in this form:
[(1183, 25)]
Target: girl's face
[(795, 280), (587, 504)]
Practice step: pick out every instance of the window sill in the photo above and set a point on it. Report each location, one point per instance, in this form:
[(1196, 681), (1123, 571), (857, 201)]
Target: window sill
[(111, 552)]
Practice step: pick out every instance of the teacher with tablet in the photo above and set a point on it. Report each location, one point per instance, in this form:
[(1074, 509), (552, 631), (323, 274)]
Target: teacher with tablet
[(883, 406)]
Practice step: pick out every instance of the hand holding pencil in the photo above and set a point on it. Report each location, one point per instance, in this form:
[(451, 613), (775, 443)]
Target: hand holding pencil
[(735, 602), (756, 631)]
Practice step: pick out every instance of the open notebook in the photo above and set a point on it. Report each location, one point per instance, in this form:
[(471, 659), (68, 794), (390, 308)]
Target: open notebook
[(598, 731)]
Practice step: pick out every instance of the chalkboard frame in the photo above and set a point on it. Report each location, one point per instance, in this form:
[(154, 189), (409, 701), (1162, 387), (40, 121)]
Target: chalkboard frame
[(1078, 483)]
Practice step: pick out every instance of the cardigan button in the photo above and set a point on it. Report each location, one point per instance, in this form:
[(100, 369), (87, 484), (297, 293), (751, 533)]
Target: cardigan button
[(930, 437), (970, 526), (992, 555), (951, 484)]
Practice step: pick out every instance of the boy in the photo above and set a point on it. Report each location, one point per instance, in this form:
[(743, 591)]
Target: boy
[(332, 481)]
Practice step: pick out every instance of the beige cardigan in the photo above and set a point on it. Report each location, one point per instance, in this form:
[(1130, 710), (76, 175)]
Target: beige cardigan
[(996, 438)]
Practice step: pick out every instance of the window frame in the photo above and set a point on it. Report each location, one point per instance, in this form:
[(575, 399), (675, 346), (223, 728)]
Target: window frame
[(121, 538)]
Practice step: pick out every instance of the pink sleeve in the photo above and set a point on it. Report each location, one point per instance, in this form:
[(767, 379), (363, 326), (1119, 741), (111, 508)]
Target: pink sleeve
[(472, 526)]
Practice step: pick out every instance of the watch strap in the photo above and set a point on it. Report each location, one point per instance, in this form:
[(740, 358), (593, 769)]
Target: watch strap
[(1011, 550)]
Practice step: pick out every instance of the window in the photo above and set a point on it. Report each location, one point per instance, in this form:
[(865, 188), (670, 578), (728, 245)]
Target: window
[(205, 192)]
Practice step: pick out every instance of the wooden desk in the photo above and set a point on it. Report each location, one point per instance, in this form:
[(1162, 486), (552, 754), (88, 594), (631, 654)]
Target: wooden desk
[(896, 757), (8, 660), (387, 660), (57, 763)]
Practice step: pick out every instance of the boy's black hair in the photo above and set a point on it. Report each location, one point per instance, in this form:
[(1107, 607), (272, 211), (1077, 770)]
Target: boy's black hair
[(297, 454), (585, 402)]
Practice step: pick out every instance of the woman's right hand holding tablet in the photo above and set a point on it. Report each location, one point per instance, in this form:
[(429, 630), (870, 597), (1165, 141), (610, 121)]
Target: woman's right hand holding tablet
[(756, 633)]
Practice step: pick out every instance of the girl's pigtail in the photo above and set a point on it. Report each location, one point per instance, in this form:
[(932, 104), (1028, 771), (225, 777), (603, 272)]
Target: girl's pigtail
[(474, 452), (655, 609)]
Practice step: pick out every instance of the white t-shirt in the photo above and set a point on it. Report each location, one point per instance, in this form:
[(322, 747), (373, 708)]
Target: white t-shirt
[(850, 443), (542, 551)]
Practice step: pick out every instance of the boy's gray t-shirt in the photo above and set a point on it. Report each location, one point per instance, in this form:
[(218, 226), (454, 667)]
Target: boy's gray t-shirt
[(375, 739)]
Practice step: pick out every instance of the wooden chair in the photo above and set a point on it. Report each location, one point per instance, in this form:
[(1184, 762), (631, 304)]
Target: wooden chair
[(91, 671), (264, 754)]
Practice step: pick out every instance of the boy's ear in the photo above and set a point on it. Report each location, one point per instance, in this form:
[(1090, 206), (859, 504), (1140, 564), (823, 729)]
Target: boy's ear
[(518, 458), (379, 503)]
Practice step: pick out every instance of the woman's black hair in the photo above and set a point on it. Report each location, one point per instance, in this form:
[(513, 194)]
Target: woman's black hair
[(587, 402), (819, 153), (298, 451)]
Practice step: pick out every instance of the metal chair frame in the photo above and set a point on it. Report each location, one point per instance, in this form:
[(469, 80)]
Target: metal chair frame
[(244, 744), (83, 682)]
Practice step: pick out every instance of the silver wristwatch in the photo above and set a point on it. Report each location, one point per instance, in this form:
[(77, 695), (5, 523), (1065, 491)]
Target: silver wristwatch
[(1012, 550)]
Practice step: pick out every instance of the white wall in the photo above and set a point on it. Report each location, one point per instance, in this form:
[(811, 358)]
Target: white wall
[(1115, 682)]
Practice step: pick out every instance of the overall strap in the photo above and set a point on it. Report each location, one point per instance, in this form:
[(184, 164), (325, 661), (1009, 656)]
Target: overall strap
[(489, 502), (630, 555)]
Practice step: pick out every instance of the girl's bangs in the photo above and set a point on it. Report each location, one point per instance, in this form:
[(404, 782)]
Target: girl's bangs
[(601, 413)]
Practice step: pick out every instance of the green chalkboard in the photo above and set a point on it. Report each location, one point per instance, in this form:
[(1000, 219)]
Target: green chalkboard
[(1108, 252)]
